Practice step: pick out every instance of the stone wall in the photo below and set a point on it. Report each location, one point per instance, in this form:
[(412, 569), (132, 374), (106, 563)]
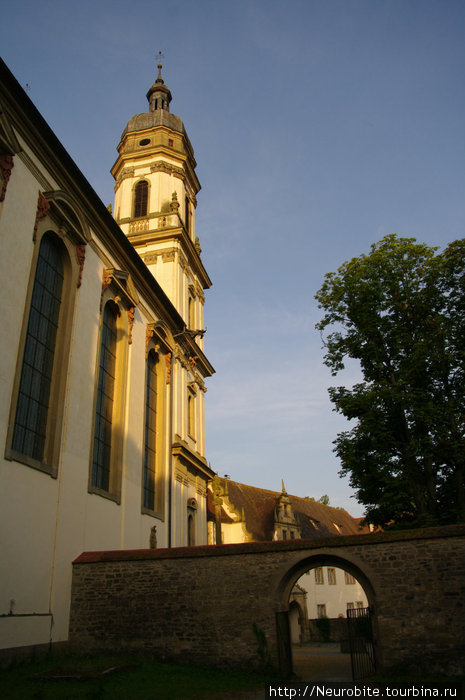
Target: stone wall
[(205, 604)]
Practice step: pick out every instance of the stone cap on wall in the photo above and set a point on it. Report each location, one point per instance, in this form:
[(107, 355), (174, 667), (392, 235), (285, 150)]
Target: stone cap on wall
[(214, 550)]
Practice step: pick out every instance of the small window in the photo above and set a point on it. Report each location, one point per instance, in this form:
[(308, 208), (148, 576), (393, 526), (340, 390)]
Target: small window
[(144, 142), (319, 577), (331, 576), (350, 606), (321, 610), (191, 311), (187, 219), (349, 579), (141, 198), (358, 605), (191, 414)]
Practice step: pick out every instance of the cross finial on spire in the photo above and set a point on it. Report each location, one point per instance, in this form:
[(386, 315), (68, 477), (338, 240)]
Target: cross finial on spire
[(159, 66)]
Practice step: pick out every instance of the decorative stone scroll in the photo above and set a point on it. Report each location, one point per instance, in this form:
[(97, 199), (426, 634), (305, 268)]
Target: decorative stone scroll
[(42, 208), (168, 367), (81, 257), (6, 166), (130, 313)]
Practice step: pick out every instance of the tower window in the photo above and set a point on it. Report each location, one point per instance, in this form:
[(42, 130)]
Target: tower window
[(141, 193), (144, 142), (191, 414), (187, 217)]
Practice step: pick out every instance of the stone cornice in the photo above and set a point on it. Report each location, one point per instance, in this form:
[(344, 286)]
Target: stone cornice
[(190, 459), (169, 234)]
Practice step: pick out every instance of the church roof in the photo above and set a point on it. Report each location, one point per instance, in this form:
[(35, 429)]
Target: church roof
[(258, 505)]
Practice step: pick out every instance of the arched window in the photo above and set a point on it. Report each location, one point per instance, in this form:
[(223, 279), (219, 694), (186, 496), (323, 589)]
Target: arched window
[(141, 193), (101, 456), (151, 442), (32, 407)]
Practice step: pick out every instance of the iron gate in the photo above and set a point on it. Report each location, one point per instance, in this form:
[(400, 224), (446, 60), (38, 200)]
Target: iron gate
[(362, 653)]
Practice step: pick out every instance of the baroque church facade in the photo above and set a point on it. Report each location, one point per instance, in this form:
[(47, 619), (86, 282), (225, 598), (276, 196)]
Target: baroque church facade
[(103, 369)]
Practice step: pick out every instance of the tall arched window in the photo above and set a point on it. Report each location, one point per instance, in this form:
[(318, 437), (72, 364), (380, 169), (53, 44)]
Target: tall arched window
[(150, 451), (32, 407), (141, 195), (101, 457)]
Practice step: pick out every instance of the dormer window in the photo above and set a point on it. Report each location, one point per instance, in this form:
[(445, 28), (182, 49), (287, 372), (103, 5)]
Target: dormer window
[(141, 198)]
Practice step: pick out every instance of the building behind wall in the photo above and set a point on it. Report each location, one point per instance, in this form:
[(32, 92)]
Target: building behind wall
[(243, 513), (102, 351)]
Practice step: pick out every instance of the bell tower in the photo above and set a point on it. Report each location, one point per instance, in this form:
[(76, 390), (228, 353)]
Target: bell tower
[(155, 200)]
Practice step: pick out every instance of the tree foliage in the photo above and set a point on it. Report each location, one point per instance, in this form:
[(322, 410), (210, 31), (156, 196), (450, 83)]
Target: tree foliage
[(400, 311)]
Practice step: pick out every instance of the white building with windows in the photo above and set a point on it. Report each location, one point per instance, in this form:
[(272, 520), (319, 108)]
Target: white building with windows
[(103, 370), (331, 592)]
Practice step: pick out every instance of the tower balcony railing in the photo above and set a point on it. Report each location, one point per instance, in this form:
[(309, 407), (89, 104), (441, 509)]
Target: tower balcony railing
[(139, 226)]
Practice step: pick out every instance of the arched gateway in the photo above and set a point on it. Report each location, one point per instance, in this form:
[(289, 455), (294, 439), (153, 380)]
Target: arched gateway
[(227, 605), (293, 570)]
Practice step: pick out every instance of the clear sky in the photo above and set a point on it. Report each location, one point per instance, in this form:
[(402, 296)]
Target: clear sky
[(319, 126)]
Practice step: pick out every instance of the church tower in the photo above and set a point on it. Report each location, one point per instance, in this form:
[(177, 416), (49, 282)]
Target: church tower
[(155, 200)]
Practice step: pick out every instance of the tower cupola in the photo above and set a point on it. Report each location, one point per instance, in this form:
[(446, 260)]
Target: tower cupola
[(159, 95)]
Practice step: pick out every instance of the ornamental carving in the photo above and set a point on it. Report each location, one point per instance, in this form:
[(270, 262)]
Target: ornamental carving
[(130, 323), (169, 256), (149, 333), (6, 166), (125, 173), (150, 259), (161, 166), (168, 367), (81, 256), (174, 204), (42, 208)]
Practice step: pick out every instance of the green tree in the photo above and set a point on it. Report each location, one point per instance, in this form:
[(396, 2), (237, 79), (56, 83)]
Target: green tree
[(400, 311)]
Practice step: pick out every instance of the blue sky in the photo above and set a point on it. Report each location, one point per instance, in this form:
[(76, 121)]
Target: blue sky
[(319, 126)]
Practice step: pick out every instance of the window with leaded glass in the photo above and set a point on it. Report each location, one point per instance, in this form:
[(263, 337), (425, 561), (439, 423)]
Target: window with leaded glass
[(101, 457), (150, 452), (141, 198), (30, 425)]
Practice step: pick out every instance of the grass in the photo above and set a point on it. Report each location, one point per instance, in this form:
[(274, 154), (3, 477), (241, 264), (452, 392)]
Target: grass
[(123, 677)]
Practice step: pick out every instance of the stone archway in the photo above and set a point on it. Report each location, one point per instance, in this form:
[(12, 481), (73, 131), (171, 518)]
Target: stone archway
[(136, 599), (284, 599)]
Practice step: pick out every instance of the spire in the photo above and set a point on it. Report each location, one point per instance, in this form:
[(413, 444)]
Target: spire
[(283, 487), (159, 95)]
